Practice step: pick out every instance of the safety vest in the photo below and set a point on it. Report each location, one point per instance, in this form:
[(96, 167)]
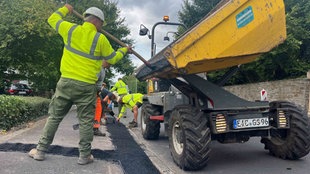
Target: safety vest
[(121, 87), (84, 49), (130, 100)]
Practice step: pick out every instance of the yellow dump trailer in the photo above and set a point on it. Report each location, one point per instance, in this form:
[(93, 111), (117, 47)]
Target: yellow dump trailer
[(195, 111), (236, 32)]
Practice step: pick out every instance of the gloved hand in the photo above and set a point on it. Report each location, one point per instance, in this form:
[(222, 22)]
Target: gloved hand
[(129, 49), (110, 106), (105, 64), (69, 7)]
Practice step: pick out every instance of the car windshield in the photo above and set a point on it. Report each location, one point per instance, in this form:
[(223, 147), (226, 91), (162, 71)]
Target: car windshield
[(20, 86)]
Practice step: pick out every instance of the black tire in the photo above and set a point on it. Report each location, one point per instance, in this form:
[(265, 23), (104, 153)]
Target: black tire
[(150, 129), (293, 143), (189, 138)]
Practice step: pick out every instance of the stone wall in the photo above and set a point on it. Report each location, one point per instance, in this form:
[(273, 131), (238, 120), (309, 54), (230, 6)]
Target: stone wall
[(293, 90)]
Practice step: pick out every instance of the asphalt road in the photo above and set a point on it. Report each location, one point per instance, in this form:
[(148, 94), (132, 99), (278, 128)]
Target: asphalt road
[(124, 150), (236, 158)]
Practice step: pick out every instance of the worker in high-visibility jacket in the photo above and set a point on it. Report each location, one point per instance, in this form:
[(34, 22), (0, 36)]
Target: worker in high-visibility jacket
[(133, 102), (121, 88), (85, 50)]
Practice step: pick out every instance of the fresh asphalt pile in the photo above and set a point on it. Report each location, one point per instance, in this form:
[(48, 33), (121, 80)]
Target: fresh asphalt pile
[(131, 156)]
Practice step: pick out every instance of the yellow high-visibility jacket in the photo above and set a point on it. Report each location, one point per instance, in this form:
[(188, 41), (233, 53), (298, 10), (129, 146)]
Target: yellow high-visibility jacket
[(120, 87), (130, 100), (84, 50)]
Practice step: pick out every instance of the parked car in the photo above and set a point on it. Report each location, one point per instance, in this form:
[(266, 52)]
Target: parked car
[(19, 89)]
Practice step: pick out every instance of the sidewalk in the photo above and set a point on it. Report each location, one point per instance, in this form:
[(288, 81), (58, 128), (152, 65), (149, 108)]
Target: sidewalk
[(111, 155)]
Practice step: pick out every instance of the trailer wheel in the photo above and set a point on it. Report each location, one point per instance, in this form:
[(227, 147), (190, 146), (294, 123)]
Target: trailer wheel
[(150, 129), (293, 143), (189, 138)]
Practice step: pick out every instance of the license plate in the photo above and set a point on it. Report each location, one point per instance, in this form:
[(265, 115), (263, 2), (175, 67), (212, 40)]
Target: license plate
[(21, 92), (251, 122)]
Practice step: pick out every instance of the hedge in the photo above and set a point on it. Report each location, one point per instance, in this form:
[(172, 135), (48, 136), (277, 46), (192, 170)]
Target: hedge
[(17, 110)]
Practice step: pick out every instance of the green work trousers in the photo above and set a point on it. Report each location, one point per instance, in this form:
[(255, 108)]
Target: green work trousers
[(69, 92)]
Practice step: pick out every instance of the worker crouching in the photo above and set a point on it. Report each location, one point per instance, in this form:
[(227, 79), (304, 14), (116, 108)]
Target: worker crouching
[(132, 102)]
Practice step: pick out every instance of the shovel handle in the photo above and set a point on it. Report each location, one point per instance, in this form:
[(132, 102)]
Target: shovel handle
[(117, 41)]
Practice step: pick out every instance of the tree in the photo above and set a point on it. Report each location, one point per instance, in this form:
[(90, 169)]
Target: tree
[(194, 10), (25, 38), (29, 46), (134, 85)]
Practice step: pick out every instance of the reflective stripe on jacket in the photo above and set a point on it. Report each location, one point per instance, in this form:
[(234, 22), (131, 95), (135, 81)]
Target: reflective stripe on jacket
[(84, 50), (120, 87), (130, 100)]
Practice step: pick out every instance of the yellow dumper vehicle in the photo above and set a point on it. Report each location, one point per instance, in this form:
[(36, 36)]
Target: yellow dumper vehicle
[(196, 111)]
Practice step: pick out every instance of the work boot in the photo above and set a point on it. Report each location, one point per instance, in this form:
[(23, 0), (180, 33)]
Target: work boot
[(133, 121), (86, 160), (133, 124), (37, 154), (97, 132), (111, 113)]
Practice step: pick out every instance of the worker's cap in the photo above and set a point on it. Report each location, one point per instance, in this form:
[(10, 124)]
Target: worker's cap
[(95, 12)]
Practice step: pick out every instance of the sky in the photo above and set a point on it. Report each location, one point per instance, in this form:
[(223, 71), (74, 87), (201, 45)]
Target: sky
[(148, 13)]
